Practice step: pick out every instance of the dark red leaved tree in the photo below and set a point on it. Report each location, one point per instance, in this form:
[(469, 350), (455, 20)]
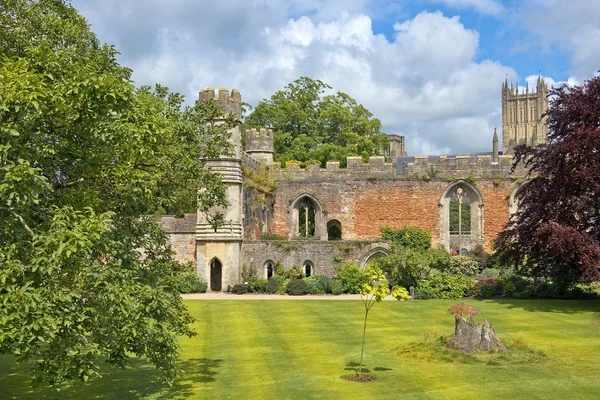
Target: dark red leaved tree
[(556, 232)]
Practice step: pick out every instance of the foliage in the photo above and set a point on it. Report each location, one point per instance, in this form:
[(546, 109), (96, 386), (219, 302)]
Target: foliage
[(84, 154), (460, 309), (263, 179), (446, 286), (187, 281), (318, 284), (556, 230), (425, 293), (411, 237), (334, 233), (310, 125), (271, 236), (337, 287), (482, 257), (239, 288), (248, 273), (296, 287), (294, 272), (351, 277), (509, 290), (486, 291), (274, 284), (465, 265), (465, 216), (257, 286), (373, 291), (488, 273)]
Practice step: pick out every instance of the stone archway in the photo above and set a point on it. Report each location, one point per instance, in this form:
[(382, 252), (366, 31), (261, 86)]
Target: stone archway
[(216, 275), (513, 200), (312, 225), (374, 250), (334, 229), (475, 236)]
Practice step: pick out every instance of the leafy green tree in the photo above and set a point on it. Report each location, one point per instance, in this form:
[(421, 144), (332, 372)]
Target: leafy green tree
[(312, 125), (84, 155), (373, 291)]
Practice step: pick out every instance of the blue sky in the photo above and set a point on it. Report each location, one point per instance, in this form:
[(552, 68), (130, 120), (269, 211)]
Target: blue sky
[(430, 70)]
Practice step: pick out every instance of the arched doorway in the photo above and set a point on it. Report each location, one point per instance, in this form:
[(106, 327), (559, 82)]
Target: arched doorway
[(334, 230), (375, 251), (269, 269), (308, 268), (216, 273)]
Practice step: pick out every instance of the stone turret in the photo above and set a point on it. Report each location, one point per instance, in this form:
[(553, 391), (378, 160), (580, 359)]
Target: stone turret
[(522, 121), (259, 145), (396, 147), (218, 250)]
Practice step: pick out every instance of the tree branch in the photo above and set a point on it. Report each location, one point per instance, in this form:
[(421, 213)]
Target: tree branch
[(20, 220)]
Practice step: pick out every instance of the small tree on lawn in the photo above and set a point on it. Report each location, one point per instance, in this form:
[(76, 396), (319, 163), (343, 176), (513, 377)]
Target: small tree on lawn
[(373, 292)]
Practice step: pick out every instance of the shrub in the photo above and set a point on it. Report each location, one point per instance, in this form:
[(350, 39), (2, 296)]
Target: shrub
[(337, 287), (248, 273), (188, 282), (274, 284), (296, 287), (486, 291), (463, 265), (351, 277), (481, 257), (446, 286), (239, 288), (317, 284), (424, 293), (411, 237), (258, 286), (293, 273), (509, 290), (488, 273)]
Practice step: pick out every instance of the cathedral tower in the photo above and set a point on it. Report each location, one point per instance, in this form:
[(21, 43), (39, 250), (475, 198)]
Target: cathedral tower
[(522, 121), (219, 251)]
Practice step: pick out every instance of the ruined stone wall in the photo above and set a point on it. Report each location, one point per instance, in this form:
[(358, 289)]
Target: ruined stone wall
[(181, 236), (367, 197), (322, 254)]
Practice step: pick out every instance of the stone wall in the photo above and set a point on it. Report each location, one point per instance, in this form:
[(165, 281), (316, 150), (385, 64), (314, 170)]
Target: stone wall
[(181, 236), (322, 254), (366, 198)]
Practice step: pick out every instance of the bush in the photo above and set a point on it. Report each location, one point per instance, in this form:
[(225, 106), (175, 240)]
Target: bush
[(293, 273), (486, 291), (351, 277), (239, 288), (424, 293), (411, 237), (509, 290), (481, 257), (274, 284), (188, 282), (463, 265), (317, 284), (488, 273), (248, 273), (446, 286), (296, 287), (337, 287), (258, 286)]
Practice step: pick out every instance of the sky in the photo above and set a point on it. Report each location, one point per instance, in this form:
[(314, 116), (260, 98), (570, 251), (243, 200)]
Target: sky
[(430, 70)]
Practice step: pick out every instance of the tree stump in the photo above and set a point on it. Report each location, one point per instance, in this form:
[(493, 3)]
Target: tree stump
[(470, 337)]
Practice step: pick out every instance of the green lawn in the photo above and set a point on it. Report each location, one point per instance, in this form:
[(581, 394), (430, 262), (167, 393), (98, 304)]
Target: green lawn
[(299, 350)]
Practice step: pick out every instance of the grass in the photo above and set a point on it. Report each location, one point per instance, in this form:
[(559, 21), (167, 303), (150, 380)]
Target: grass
[(300, 350)]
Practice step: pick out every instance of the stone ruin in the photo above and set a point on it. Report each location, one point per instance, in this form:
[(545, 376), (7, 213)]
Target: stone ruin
[(470, 337)]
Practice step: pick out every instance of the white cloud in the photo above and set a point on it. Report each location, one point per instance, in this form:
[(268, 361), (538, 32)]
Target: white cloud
[(425, 83), (573, 26), (488, 7)]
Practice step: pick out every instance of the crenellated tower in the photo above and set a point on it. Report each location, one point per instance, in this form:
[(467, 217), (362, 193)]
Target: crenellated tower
[(219, 251), (260, 145), (522, 121)]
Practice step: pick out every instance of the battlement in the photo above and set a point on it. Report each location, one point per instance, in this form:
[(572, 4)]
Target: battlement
[(259, 140), (231, 102), (405, 168)]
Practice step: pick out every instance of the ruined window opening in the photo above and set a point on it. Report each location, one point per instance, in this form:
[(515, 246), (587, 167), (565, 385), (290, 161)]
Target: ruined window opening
[(269, 269), (463, 238), (308, 268), (306, 218), (334, 230)]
